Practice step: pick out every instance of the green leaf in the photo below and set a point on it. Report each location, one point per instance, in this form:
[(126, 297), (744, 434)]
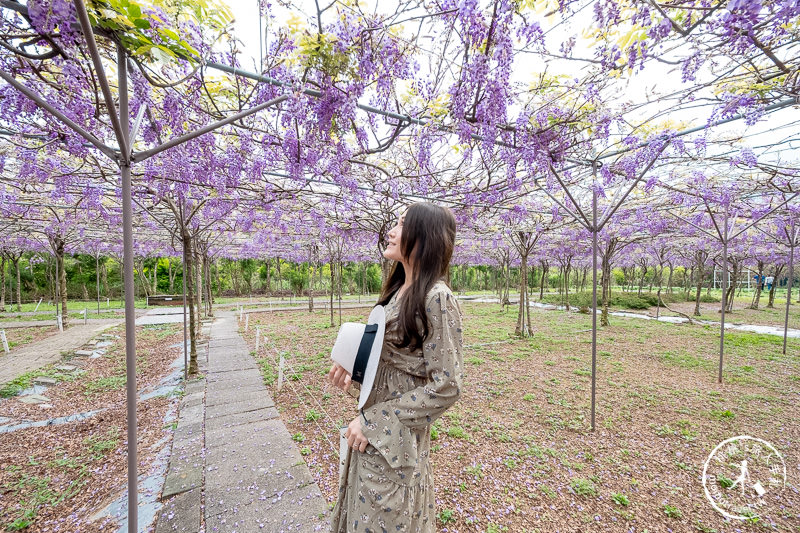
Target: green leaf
[(142, 24), (135, 12), (189, 48), (169, 33), (166, 50)]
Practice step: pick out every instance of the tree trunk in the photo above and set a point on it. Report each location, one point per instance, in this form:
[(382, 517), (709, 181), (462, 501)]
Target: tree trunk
[(171, 275), (197, 270), (2, 283), (234, 278), (155, 277), (62, 280), (333, 283), (207, 284), (340, 275), (217, 281), (606, 283), (507, 281), (190, 300), (311, 288), (142, 278), (759, 286), (699, 271), (104, 279), (669, 280), (687, 281), (641, 279), (732, 288), (523, 284), (268, 262), (657, 274), (771, 301), (545, 270), (15, 262)]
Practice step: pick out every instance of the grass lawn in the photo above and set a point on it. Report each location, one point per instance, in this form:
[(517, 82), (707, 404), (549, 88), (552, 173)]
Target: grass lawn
[(516, 453)]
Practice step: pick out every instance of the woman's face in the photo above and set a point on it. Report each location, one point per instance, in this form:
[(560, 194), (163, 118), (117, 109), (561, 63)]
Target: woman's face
[(392, 251)]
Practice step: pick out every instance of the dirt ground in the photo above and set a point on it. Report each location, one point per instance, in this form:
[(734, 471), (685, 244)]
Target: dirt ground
[(54, 478), (517, 452), (18, 337)]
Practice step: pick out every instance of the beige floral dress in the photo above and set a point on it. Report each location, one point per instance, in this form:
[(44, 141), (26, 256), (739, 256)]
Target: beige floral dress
[(389, 487)]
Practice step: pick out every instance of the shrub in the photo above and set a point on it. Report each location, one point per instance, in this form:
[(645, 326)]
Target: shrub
[(312, 415), (620, 499), (446, 516), (672, 511), (582, 487)]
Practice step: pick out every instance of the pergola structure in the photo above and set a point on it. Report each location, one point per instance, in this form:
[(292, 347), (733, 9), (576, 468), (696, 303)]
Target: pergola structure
[(295, 151)]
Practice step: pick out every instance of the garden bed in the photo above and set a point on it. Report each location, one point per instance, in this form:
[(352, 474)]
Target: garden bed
[(57, 477)]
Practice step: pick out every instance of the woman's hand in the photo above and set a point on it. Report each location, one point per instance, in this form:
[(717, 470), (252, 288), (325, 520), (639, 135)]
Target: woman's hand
[(355, 438), (339, 377)]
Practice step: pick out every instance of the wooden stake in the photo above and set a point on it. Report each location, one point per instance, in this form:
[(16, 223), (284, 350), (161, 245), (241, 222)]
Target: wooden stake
[(4, 339)]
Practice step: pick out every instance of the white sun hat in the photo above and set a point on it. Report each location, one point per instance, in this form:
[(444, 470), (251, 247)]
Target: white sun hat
[(358, 350)]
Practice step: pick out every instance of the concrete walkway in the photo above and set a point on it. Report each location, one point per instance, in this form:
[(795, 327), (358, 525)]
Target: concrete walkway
[(318, 307), (234, 466), (72, 322), (49, 350)]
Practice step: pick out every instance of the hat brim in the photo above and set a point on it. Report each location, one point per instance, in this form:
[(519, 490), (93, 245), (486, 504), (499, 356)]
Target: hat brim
[(377, 316)]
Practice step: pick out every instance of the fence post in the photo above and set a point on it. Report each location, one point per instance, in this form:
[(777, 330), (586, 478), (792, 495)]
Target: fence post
[(60, 323), (246, 321), (280, 373), (108, 302), (5, 340), (85, 312), (258, 337)]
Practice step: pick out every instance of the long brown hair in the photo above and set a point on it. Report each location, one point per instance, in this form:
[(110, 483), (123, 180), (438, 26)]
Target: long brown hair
[(427, 240)]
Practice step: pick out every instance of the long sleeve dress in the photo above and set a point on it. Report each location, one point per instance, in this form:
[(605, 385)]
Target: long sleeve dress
[(389, 487)]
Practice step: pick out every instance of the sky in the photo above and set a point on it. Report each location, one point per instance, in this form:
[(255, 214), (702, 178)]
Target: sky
[(645, 86)]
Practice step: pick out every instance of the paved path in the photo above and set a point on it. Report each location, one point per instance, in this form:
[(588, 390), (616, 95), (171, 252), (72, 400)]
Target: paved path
[(72, 322), (317, 308), (233, 462), (49, 350)]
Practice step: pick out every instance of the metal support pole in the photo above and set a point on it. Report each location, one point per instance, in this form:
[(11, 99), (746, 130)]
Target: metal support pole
[(724, 294), (594, 287), (130, 302), (141, 156), (4, 339), (120, 130), (793, 237)]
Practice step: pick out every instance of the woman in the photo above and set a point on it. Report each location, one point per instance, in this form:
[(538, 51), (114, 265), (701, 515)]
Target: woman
[(387, 484)]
